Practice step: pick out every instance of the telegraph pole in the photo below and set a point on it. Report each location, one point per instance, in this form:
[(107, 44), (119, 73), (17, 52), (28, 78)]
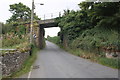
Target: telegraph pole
[(31, 26)]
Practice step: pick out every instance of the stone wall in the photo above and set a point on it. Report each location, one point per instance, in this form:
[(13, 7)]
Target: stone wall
[(12, 61)]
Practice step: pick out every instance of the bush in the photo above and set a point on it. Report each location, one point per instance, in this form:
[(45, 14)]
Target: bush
[(95, 39), (55, 39), (12, 40), (114, 63)]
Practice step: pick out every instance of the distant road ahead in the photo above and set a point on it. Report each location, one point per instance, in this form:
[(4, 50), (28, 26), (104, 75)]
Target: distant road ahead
[(53, 62)]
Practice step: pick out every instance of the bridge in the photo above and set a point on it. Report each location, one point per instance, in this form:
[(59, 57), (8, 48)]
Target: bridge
[(47, 23), (40, 30)]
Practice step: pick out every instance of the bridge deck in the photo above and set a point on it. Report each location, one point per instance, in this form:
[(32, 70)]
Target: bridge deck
[(48, 23)]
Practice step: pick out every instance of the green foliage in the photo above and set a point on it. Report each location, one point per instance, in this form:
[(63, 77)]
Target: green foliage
[(110, 23), (12, 34), (86, 5), (20, 13), (13, 27), (95, 39), (1, 25), (114, 63), (106, 8), (93, 27), (7, 28), (10, 40), (92, 30), (73, 23), (21, 30), (55, 39)]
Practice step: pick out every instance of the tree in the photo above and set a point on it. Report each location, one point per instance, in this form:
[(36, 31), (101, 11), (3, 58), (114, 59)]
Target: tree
[(86, 5), (1, 25), (92, 26), (20, 13)]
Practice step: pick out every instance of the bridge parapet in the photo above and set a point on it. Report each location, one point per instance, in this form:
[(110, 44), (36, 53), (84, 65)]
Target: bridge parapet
[(46, 21)]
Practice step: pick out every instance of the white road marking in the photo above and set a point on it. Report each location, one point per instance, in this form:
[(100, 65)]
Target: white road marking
[(30, 72)]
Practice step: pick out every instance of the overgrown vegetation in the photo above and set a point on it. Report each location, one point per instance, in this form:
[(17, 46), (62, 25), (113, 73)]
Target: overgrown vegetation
[(55, 39), (94, 30), (16, 30), (15, 34)]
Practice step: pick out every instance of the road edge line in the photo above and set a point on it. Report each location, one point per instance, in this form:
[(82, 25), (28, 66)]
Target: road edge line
[(30, 73)]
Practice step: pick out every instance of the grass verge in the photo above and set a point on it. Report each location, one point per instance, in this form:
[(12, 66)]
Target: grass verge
[(27, 64), (113, 63), (109, 62)]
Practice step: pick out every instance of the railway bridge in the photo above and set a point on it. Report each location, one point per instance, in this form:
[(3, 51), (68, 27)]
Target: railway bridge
[(40, 30)]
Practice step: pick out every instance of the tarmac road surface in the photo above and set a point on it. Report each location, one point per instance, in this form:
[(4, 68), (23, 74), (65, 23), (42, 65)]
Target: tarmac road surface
[(53, 62)]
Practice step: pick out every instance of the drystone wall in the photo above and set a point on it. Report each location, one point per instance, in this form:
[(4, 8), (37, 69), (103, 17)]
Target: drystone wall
[(12, 61)]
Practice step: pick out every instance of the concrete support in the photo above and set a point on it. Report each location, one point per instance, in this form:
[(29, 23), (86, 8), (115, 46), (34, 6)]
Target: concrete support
[(37, 37), (65, 44), (41, 38)]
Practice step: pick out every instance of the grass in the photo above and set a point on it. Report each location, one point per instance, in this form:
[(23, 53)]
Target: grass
[(27, 65), (113, 63), (24, 45), (55, 39), (12, 42)]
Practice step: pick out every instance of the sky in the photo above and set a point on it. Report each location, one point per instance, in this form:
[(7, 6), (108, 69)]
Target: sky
[(50, 7)]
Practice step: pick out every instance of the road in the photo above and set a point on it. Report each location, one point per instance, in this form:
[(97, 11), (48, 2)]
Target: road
[(53, 62)]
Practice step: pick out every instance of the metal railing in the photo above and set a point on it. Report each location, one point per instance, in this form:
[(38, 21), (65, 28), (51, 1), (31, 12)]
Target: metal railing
[(51, 15)]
